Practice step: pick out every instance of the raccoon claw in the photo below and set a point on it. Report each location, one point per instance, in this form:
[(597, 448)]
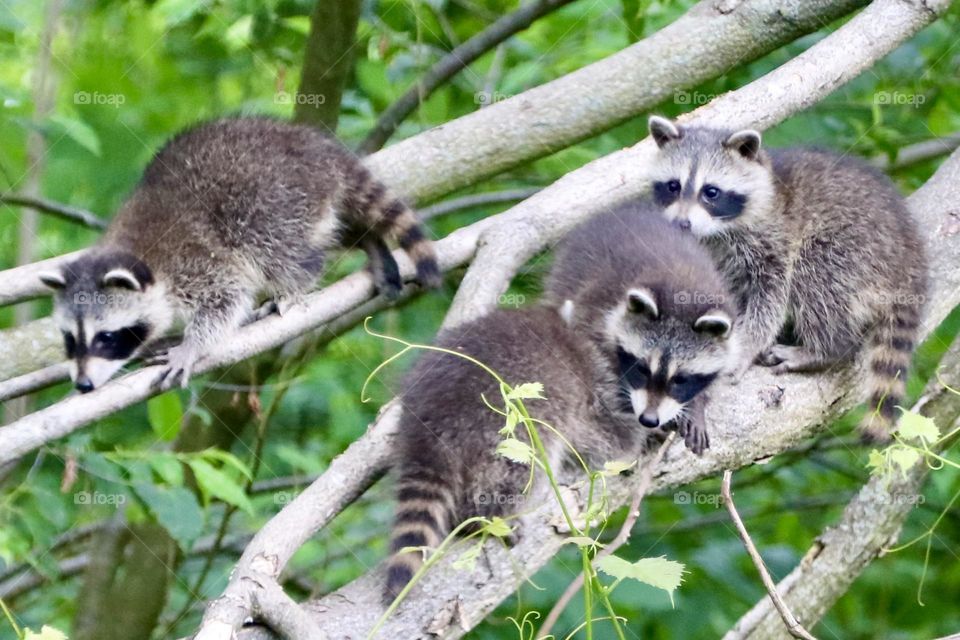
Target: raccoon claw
[(694, 437), (179, 361)]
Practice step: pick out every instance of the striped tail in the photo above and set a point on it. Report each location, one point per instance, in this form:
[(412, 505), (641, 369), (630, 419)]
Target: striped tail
[(889, 353), (388, 216), (423, 519)]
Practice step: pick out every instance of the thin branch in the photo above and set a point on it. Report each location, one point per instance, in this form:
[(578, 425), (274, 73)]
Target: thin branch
[(60, 210), (633, 512), (919, 152), (793, 625), (452, 63), (476, 200)]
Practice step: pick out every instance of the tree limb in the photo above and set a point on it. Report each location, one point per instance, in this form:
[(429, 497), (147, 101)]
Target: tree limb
[(58, 209), (793, 625), (919, 152), (450, 64)]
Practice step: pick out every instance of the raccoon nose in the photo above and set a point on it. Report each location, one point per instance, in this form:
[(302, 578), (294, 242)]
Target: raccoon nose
[(650, 420), (84, 384), (683, 225)]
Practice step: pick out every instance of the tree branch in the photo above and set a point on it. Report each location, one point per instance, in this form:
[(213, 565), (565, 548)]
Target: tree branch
[(919, 152), (452, 63), (60, 210), (870, 523), (793, 625)]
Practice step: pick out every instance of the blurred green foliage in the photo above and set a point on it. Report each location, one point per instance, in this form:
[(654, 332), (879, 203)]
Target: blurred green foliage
[(129, 74)]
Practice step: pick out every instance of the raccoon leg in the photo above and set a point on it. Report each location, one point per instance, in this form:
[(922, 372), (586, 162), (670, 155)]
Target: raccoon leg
[(214, 319), (888, 353), (785, 358), (692, 425), (386, 274)]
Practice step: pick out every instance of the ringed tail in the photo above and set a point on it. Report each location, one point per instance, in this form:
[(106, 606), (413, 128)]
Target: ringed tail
[(388, 216), (889, 354), (422, 519)]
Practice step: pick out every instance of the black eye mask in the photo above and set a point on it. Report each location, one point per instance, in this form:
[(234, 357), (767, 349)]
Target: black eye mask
[(120, 344), (684, 386)]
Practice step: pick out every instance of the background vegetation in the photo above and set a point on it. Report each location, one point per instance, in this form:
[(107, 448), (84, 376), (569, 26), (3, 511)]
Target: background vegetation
[(129, 74)]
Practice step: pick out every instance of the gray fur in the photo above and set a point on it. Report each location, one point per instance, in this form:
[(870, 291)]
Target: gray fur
[(446, 463), (824, 246), (634, 248), (232, 210)]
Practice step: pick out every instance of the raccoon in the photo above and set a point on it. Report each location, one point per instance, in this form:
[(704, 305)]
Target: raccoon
[(446, 466), (225, 212), (818, 248), (680, 340)]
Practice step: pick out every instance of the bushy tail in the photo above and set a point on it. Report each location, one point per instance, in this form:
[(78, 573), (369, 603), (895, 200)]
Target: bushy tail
[(424, 513), (888, 357), (385, 215)]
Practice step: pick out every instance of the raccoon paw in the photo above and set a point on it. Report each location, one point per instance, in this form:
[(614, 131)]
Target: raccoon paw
[(179, 366), (694, 434)]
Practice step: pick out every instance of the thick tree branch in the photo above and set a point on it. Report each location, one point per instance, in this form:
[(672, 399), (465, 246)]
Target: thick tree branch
[(581, 104), (450, 64), (803, 81), (761, 417)]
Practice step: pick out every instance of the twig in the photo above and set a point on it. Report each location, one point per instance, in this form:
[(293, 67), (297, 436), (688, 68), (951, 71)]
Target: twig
[(476, 200), (919, 152), (60, 210), (448, 66), (793, 625), (633, 512)]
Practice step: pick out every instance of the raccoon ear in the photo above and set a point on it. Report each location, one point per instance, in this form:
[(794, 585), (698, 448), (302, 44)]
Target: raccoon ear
[(53, 279), (746, 143), (566, 312), (663, 131), (643, 301), (715, 323), (122, 278)]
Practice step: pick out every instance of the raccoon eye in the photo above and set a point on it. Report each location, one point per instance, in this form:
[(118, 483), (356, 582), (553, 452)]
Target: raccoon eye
[(105, 338), (634, 372), (710, 192), (70, 344), (673, 186), (683, 387)]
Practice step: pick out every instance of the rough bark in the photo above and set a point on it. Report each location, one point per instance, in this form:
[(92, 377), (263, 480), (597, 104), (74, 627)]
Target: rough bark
[(327, 62), (763, 416)]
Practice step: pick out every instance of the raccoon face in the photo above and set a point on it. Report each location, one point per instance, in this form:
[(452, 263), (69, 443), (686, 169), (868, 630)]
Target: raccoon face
[(106, 314), (707, 180), (664, 362)]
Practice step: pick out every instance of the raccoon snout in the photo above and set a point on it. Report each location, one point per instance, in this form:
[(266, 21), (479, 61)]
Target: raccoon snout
[(649, 419), (84, 384), (682, 223)]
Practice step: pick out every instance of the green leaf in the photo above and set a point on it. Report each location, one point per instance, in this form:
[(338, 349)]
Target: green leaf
[(173, 12), (904, 457), (513, 419), (78, 131), (227, 458), (176, 509), (526, 391), (165, 414), (238, 35), (515, 450), (616, 467), (216, 483), (468, 559), (498, 527), (168, 467), (581, 541), (656, 572), (877, 461), (46, 633), (912, 426)]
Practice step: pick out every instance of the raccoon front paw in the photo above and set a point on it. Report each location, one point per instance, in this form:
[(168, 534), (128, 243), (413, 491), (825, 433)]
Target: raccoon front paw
[(179, 365), (694, 434)]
